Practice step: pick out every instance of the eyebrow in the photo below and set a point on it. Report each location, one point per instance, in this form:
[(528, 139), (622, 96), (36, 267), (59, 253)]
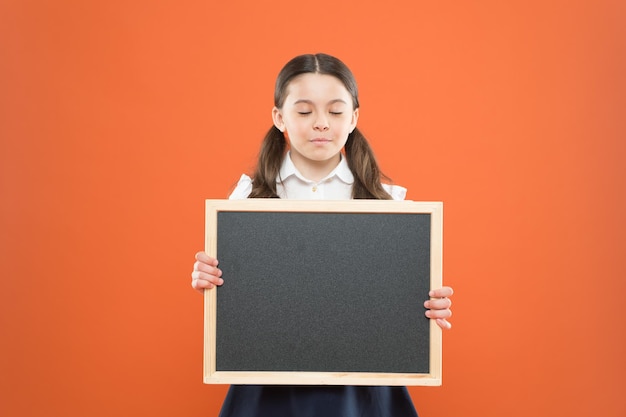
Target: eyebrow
[(337, 100)]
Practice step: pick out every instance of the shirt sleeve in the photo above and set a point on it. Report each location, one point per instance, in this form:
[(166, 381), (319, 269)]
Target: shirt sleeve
[(397, 192), (242, 189)]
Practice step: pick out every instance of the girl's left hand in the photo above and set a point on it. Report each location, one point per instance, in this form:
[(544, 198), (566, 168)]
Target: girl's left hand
[(439, 306)]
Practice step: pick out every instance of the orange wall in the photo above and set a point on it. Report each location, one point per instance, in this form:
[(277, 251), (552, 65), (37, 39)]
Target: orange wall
[(118, 118)]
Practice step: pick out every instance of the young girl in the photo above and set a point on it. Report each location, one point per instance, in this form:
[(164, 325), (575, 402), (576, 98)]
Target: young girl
[(314, 151)]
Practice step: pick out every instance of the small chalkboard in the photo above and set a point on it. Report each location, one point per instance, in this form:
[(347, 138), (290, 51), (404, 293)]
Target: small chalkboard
[(323, 292)]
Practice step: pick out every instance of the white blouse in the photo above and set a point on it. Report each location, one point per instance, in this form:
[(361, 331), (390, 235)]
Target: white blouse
[(293, 185)]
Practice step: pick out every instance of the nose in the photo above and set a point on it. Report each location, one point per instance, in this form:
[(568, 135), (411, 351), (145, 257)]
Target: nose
[(321, 123)]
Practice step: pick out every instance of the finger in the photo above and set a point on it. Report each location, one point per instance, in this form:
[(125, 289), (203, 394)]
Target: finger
[(438, 314), (438, 304), (205, 281), (441, 292), (201, 286), (207, 269), (204, 258), (444, 324), (201, 276)]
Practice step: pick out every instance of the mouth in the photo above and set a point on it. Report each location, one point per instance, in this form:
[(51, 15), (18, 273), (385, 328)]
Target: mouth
[(320, 140)]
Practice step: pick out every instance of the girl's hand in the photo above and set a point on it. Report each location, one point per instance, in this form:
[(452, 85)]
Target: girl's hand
[(206, 274), (439, 306)]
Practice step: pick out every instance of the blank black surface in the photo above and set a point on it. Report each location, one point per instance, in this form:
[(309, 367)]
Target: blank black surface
[(323, 292)]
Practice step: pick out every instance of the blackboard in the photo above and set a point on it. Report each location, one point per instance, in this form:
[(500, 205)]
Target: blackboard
[(321, 292)]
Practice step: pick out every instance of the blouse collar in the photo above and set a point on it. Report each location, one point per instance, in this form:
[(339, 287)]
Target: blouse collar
[(342, 171)]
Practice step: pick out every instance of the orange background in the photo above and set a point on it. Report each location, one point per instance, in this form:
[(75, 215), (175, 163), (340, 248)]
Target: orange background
[(118, 118)]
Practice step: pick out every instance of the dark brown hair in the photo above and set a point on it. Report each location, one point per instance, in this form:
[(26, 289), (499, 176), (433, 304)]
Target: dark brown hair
[(359, 155)]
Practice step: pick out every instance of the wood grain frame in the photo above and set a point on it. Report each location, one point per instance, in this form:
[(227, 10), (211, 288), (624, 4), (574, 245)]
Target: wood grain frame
[(214, 376)]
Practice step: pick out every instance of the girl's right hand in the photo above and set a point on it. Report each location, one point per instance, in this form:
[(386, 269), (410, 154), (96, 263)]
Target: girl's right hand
[(206, 274)]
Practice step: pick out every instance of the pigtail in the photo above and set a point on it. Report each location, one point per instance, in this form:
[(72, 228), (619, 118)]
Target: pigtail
[(362, 163), (268, 165)]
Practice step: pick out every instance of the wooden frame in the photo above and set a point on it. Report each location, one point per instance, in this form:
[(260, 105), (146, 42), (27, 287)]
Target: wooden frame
[(213, 374)]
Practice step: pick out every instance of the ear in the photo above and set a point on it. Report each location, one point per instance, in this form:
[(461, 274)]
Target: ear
[(355, 118), (277, 117)]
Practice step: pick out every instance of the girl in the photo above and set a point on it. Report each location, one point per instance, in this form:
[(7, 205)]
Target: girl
[(314, 151)]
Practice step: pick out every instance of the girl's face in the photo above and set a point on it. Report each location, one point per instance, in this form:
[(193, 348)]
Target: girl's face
[(317, 116)]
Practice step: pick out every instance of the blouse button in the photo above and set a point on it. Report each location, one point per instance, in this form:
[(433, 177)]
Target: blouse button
[(314, 189)]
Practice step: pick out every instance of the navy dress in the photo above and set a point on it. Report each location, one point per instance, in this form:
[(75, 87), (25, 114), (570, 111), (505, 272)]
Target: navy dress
[(314, 401)]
